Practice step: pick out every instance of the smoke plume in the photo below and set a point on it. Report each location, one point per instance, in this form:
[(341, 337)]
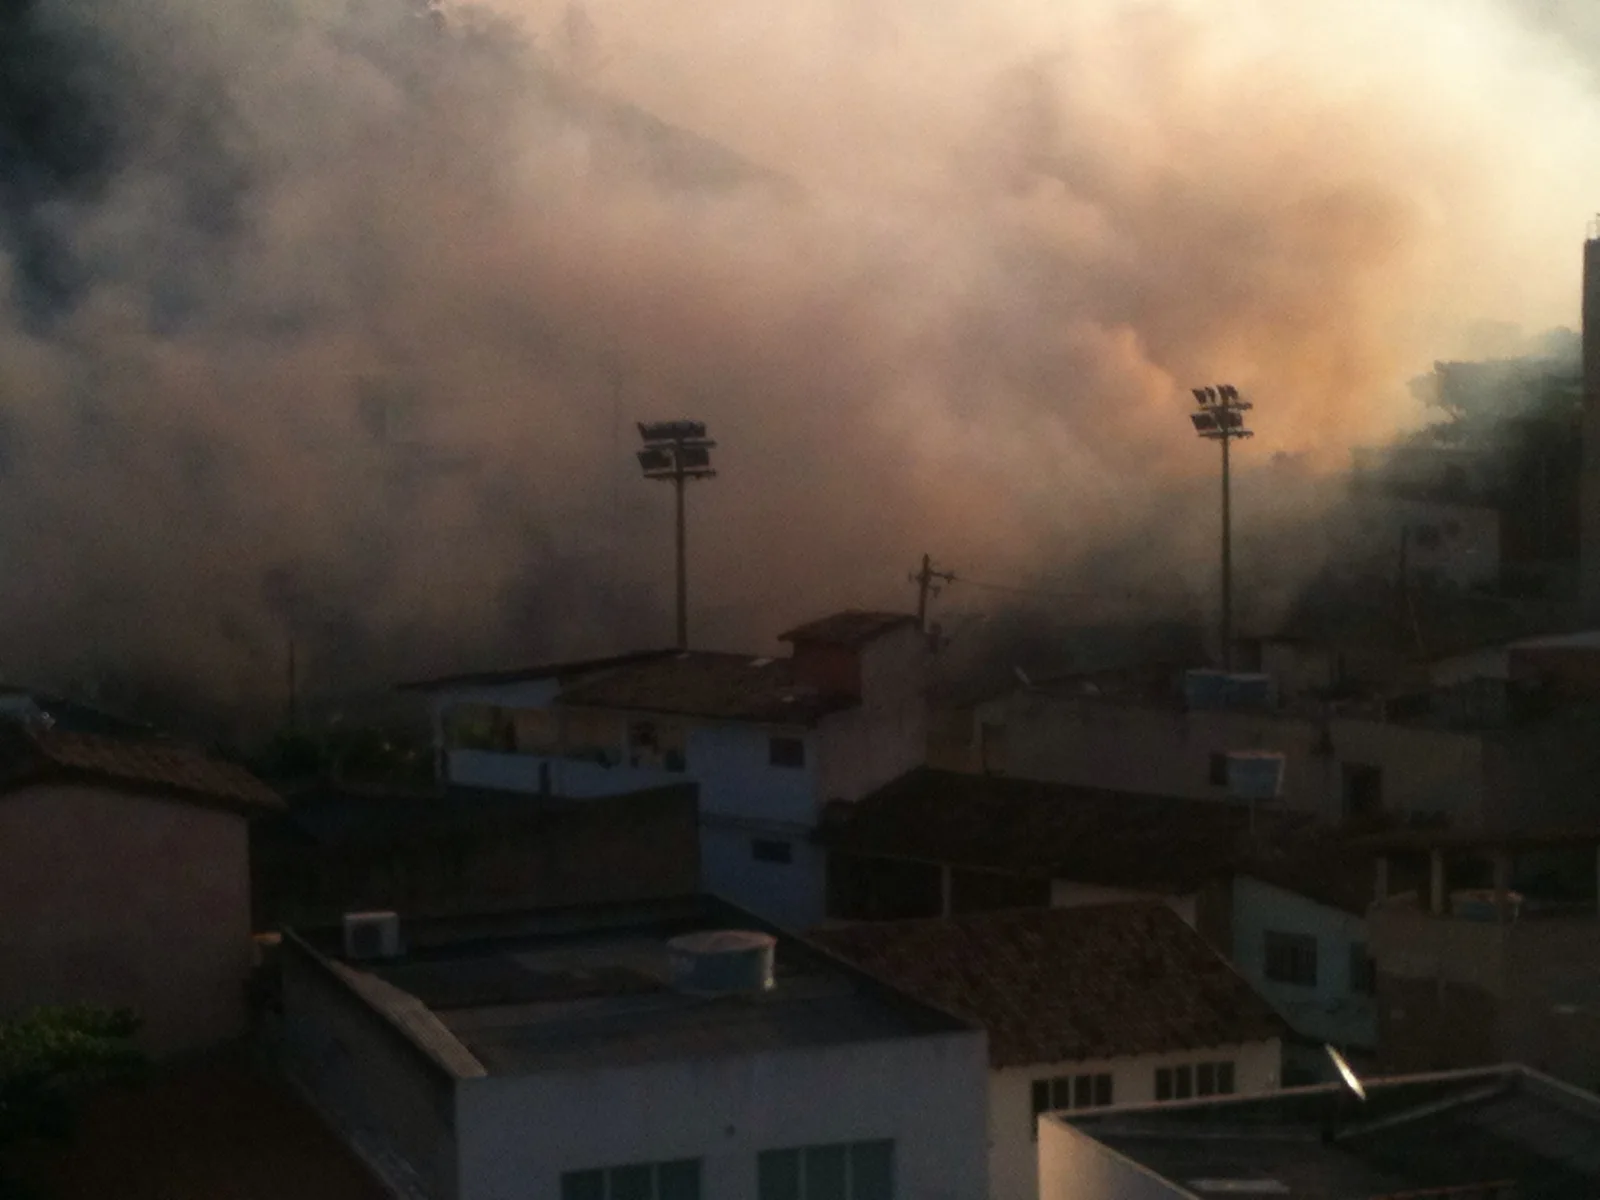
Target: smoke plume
[(329, 319)]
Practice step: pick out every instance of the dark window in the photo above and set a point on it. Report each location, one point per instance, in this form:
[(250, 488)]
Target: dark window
[(1205, 1079), (1182, 1083), (1363, 790), (786, 752), (847, 1171), (1163, 1083), (1067, 1092), (1225, 1079), (765, 850), (1219, 770), (638, 1181), (1363, 971), (1291, 958)]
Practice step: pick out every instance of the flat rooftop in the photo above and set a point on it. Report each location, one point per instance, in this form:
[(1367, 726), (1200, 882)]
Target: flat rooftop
[(1413, 1135), (513, 994)]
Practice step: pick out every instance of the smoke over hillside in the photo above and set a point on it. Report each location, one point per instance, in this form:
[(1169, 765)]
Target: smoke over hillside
[(330, 319)]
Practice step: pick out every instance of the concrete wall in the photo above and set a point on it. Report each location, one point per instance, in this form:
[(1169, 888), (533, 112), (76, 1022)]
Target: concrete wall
[(1013, 1153), (369, 1078), (123, 899), (1331, 1011), (517, 1135), (1073, 1166), (791, 894), (1166, 751)]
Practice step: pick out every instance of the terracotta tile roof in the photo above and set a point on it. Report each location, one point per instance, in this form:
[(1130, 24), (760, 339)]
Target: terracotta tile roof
[(1067, 984), (853, 627), (730, 687), (31, 756), (1116, 839)]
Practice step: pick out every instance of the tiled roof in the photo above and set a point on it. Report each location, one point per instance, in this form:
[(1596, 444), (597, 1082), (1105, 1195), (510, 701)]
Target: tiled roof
[(33, 756), (1067, 984), (852, 627), (557, 670), (730, 687), (1086, 835)]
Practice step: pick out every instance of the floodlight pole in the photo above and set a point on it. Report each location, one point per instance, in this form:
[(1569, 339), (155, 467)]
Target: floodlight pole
[(683, 555), (1227, 559), (1220, 417)]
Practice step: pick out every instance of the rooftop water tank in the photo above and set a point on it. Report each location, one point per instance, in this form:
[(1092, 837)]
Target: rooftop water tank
[(723, 962), (1255, 774)]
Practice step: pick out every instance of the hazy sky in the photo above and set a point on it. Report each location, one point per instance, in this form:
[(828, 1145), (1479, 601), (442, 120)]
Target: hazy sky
[(1023, 231)]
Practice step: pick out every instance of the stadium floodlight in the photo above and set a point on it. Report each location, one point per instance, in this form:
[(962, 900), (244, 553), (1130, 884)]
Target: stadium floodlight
[(677, 451), (1220, 418)]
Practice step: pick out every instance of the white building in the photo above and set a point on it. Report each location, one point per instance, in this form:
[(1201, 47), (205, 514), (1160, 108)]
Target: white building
[(591, 1055), (1287, 906), (768, 740), (1085, 1008), (1492, 1133)]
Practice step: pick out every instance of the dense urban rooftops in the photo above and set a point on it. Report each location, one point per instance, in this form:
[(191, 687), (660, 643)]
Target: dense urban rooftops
[(592, 986), (1068, 984)]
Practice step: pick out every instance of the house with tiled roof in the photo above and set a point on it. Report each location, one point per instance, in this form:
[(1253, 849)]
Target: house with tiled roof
[(1282, 900), (125, 880), (1085, 1008), (770, 740)]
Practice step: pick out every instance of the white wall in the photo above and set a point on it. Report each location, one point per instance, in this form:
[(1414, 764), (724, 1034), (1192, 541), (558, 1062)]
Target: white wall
[(1330, 1011), (791, 894), (733, 766), (1066, 894), (1073, 1166), (1013, 1154), (865, 747), (517, 1135), (1167, 752)]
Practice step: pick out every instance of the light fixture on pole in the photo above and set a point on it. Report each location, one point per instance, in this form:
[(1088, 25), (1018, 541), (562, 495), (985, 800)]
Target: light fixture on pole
[(677, 451), (1220, 418)]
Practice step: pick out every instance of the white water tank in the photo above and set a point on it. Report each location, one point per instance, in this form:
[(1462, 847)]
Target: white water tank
[(723, 962)]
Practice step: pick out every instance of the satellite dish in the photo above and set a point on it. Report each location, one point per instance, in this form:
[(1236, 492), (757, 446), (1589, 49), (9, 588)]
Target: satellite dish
[(1351, 1079)]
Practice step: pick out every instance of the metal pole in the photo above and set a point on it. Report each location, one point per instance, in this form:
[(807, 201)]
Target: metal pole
[(1227, 560), (924, 581), (683, 570)]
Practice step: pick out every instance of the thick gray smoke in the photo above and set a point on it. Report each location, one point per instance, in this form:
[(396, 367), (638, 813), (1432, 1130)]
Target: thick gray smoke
[(329, 319)]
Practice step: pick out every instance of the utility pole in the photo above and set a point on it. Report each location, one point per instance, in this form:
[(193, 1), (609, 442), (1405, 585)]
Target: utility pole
[(1221, 419), (925, 588), (678, 451)]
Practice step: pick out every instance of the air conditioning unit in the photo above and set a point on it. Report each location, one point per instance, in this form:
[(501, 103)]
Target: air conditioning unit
[(370, 935)]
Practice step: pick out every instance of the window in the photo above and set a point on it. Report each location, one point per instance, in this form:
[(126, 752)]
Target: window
[(767, 851), (1066, 1092), (1363, 790), (640, 1181), (1363, 971), (1219, 771), (786, 752), (847, 1171), (1291, 958), (1196, 1079)]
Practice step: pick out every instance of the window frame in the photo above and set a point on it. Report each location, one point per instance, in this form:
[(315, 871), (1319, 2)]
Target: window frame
[(1363, 970), (852, 1165), (1098, 1086), (608, 1185)]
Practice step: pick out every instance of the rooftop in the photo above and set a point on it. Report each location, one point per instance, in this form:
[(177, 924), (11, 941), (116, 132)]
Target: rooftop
[(852, 628), (561, 988), (700, 683), (1412, 1134), (30, 755), (1067, 984), (1087, 835), (572, 669)]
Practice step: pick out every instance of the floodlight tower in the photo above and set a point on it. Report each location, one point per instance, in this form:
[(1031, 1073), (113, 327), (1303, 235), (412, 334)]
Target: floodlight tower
[(1221, 419), (677, 451)]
